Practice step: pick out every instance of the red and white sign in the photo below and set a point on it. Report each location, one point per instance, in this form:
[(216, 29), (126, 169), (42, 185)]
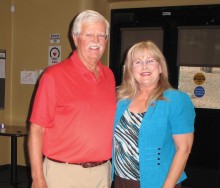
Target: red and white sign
[(54, 55)]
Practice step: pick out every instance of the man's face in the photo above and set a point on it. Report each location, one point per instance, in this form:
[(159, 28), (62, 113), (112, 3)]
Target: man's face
[(91, 42)]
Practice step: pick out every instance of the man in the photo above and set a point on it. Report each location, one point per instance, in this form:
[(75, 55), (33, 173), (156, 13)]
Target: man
[(73, 114)]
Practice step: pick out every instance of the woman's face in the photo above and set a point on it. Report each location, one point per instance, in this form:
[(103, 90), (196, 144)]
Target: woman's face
[(146, 69)]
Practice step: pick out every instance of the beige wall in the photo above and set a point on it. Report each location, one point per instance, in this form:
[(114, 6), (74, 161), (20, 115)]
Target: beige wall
[(25, 36), (5, 43)]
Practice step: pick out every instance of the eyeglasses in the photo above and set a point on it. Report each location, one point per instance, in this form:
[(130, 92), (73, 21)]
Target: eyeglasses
[(90, 36), (148, 62)]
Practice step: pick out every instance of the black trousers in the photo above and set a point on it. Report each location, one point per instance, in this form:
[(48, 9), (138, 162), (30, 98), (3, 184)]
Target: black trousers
[(124, 183)]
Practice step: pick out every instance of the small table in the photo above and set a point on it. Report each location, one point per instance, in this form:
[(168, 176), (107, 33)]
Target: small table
[(14, 132)]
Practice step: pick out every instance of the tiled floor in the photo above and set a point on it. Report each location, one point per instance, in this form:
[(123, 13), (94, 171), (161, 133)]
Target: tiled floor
[(23, 177), (202, 178), (197, 178)]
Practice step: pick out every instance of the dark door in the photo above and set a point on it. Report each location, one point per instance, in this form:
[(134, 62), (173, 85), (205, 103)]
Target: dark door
[(189, 37)]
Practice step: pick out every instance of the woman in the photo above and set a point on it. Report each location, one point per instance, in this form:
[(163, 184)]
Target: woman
[(154, 124)]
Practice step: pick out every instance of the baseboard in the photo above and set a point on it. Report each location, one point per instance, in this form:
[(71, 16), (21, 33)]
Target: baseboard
[(5, 167), (8, 166)]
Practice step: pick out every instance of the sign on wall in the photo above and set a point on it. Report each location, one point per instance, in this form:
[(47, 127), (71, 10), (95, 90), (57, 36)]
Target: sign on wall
[(54, 55)]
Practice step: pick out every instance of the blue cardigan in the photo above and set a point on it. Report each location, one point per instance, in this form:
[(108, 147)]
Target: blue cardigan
[(163, 119)]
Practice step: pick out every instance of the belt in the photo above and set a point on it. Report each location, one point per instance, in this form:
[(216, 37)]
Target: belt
[(84, 165)]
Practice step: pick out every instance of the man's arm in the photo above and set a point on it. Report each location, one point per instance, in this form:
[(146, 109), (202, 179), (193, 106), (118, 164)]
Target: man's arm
[(35, 143)]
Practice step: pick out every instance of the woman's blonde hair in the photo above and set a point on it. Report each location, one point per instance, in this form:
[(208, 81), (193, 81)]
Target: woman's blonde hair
[(129, 86)]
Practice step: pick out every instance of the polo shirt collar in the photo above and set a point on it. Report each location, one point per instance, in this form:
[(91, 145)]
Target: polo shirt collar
[(85, 71)]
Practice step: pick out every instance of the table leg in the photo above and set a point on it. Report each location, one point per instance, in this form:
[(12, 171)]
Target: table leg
[(14, 159)]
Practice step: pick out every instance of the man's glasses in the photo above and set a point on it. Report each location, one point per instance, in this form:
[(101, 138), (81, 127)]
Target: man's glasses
[(90, 36), (148, 62)]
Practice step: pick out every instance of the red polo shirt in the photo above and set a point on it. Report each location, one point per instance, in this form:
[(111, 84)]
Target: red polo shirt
[(77, 111)]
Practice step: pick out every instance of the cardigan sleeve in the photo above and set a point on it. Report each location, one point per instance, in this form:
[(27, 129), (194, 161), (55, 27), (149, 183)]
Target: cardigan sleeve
[(182, 113)]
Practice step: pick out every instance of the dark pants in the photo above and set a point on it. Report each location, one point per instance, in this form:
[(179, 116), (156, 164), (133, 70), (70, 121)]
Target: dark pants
[(124, 183)]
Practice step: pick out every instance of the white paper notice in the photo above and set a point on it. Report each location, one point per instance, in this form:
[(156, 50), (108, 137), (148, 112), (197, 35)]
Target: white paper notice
[(28, 77), (55, 38), (2, 68)]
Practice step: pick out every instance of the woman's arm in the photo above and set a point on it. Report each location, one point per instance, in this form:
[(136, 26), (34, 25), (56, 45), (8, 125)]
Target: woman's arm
[(183, 143)]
